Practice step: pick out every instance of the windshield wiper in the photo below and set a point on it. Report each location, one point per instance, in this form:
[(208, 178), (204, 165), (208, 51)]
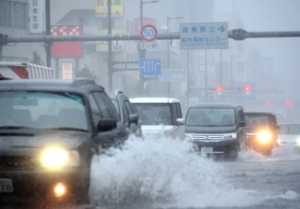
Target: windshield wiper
[(15, 127), (68, 129)]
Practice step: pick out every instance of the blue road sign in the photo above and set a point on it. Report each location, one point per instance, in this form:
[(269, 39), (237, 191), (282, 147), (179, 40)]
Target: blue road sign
[(150, 67), (213, 35)]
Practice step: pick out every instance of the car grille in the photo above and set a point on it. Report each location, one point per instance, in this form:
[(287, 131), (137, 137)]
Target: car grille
[(152, 135), (17, 162), (210, 138)]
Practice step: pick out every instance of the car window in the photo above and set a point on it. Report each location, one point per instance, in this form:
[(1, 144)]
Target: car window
[(116, 104), (240, 117), (125, 113), (43, 110), (128, 106), (105, 105), (174, 112), (155, 113), (289, 129), (96, 114)]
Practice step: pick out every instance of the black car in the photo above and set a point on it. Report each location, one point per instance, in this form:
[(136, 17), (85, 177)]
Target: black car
[(49, 131), (262, 131), (216, 129), (128, 113)]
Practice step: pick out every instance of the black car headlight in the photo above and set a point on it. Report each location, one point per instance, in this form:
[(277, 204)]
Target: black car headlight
[(54, 158), (229, 136), (189, 137)]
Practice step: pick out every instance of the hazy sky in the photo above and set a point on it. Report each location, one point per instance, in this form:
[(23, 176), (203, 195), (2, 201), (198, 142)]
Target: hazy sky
[(270, 15)]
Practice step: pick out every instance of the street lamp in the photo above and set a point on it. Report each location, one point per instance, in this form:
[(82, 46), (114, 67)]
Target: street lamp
[(141, 9), (168, 47)]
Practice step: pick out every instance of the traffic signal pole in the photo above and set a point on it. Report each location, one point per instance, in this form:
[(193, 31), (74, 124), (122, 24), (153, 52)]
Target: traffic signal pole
[(236, 34), (48, 43), (109, 51)]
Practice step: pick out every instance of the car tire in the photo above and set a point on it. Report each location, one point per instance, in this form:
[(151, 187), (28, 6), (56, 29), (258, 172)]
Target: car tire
[(268, 152), (234, 156)]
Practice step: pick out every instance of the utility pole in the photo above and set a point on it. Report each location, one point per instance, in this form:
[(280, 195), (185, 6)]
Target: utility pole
[(221, 66), (110, 54), (141, 52), (48, 44), (231, 75), (206, 77), (168, 57), (168, 49)]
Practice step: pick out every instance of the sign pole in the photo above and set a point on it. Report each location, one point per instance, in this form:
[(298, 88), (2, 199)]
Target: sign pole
[(48, 30), (110, 54)]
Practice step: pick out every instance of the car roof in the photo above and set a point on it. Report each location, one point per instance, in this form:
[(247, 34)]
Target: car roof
[(77, 85), (259, 113), (153, 100), (215, 105), (290, 124)]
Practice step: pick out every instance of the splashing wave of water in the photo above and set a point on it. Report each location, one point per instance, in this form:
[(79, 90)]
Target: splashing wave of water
[(162, 171)]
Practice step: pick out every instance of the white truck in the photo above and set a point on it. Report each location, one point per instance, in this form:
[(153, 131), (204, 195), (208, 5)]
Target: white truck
[(24, 70)]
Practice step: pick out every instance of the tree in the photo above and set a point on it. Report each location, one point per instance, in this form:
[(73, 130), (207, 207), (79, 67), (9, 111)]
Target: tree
[(86, 73), (36, 59)]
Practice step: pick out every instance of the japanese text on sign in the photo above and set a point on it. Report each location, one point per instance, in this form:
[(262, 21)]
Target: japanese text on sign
[(203, 35), (102, 8), (67, 71), (36, 16)]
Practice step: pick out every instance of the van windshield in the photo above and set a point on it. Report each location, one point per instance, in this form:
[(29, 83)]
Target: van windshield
[(210, 117), (154, 113)]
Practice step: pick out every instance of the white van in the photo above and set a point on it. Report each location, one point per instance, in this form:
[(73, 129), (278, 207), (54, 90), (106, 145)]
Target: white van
[(160, 116)]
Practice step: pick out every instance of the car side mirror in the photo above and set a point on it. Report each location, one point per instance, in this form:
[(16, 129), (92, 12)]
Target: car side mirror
[(107, 125), (180, 121), (243, 123), (133, 118)]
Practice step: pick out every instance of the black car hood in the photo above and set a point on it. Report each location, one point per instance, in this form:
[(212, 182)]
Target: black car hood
[(63, 139), (210, 130)]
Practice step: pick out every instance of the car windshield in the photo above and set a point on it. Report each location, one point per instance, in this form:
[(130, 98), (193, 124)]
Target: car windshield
[(210, 117), (115, 102), (255, 121), (154, 113), (290, 129), (282, 118), (42, 110)]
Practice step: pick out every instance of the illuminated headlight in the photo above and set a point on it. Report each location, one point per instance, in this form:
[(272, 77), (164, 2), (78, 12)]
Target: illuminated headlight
[(188, 137), (264, 136), (229, 136), (298, 142), (278, 141), (58, 158)]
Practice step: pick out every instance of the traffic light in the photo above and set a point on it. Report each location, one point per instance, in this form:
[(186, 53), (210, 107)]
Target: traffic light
[(247, 90), (219, 90)]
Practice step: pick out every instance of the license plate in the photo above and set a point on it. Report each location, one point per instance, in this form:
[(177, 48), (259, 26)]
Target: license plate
[(6, 186), (206, 150)]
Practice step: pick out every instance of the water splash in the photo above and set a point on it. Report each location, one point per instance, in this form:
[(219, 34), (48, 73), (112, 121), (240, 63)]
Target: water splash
[(163, 172)]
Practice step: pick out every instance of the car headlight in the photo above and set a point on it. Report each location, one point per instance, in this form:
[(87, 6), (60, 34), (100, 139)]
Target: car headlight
[(264, 136), (229, 136), (57, 158), (298, 142), (188, 137)]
